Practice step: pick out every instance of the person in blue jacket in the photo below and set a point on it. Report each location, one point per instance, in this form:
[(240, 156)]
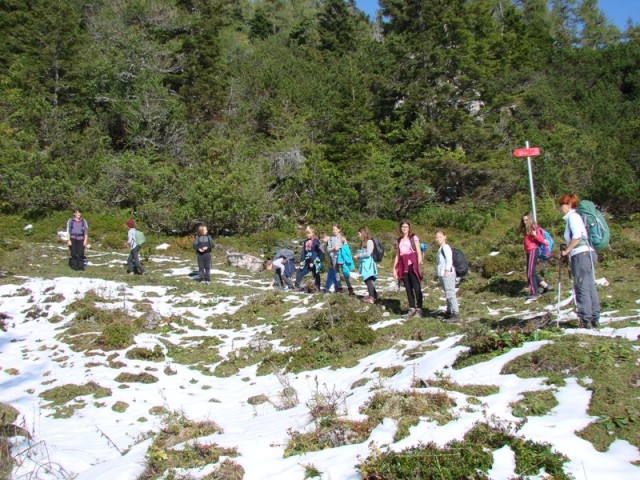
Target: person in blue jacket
[(310, 258), (335, 246), (368, 268)]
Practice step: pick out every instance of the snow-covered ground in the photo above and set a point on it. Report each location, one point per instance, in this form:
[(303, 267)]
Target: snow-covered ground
[(97, 443)]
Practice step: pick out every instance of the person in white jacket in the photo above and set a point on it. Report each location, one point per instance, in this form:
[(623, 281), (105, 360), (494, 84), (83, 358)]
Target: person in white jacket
[(447, 277), (582, 258)]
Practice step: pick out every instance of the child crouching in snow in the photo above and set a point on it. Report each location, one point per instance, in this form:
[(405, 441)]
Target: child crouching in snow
[(284, 267)]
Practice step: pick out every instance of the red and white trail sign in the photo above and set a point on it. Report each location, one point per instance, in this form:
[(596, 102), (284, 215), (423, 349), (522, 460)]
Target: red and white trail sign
[(526, 152)]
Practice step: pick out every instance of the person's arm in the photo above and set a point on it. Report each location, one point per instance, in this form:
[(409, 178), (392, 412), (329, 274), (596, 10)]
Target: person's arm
[(86, 232), (368, 251), (416, 242), (131, 238), (69, 233), (576, 234), (396, 259), (448, 259), (572, 244), (540, 237), (195, 243)]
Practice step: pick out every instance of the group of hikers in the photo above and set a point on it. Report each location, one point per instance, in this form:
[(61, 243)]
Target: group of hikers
[(333, 253), (78, 236)]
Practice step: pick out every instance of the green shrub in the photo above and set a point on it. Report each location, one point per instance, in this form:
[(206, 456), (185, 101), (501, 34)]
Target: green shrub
[(470, 458), (117, 335)]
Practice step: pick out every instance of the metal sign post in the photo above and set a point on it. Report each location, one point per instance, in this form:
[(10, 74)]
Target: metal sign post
[(529, 152)]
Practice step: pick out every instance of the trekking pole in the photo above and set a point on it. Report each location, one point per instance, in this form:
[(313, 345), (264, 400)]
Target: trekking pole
[(559, 285)]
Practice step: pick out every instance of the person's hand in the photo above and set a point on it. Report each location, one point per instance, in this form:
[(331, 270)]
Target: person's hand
[(68, 243)]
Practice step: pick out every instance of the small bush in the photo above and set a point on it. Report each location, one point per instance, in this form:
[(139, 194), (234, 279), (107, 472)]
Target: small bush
[(511, 258), (140, 353), (117, 335), (407, 408), (470, 458)]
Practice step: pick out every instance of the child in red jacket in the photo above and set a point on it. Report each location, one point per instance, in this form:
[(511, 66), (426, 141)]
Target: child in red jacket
[(533, 236)]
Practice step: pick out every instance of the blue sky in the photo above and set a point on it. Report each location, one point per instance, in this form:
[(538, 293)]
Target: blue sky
[(617, 11)]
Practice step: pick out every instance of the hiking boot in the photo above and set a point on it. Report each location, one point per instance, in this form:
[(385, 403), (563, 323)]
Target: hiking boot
[(453, 318), (546, 289), (531, 297), (351, 292), (419, 313), (411, 312), (585, 324), (369, 300), (446, 315)]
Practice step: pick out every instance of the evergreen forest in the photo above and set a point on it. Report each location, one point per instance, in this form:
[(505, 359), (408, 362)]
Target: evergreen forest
[(251, 115)]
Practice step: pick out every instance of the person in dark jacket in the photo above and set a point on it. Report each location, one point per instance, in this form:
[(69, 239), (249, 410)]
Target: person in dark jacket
[(203, 244), (78, 234), (310, 256)]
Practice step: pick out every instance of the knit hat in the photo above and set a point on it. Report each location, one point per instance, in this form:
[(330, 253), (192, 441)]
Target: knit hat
[(131, 223)]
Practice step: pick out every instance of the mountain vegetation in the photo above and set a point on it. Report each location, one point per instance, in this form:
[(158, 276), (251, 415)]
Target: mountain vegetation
[(248, 115)]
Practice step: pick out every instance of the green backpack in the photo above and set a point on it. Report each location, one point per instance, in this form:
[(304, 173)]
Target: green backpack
[(140, 238), (595, 223)]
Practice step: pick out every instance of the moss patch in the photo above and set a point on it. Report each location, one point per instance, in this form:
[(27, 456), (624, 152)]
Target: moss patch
[(59, 398), (407, 408), (472, 390), (470, 458), (140, 353), (136, 378), (536, 403)]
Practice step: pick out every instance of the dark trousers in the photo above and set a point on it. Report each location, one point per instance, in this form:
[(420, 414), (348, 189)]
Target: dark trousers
[(280, 279), (77, 254), (413, 288), (369, 282), (532, 277), (338, 270), (133, 261), (306, 269), (204, 266)]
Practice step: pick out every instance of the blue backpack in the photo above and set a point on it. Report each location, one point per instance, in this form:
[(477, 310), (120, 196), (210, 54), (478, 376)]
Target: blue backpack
[(544, 251)]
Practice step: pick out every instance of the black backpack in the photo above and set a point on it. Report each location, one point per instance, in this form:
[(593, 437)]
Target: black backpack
[(459, 262), (378, 250)]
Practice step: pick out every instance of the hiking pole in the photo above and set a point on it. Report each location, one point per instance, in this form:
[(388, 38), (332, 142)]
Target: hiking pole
[(559, 283)]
